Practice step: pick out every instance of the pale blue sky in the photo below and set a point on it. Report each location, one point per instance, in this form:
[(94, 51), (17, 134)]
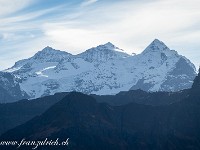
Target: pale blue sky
[(27, 26)]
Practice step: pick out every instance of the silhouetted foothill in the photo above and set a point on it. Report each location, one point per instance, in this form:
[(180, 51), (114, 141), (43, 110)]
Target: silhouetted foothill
[(92, 125), (195, 90)]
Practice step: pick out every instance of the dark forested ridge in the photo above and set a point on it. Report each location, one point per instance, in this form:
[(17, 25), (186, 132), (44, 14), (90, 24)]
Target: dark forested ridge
[(93, 125), (142, 97), (14, 114)]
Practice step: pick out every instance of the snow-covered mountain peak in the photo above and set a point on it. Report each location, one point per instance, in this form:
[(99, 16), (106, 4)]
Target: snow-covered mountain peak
[(157, 41), (156, 46), (109, 46), (50, 54), (47, 50), (103, 53), (44, 58), (104, 69)]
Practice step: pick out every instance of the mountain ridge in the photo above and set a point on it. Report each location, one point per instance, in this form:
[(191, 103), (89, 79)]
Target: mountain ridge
[(103, 70)]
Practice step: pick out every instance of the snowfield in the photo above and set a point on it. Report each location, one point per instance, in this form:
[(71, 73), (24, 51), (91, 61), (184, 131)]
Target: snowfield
[(103, 70)]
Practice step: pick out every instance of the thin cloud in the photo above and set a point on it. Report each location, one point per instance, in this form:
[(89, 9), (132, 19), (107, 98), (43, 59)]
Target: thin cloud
[(88, 2), (131, 25), (10, 6), (128, 24)]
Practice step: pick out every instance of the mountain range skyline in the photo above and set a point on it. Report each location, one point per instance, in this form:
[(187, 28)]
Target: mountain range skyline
[(102, 70), (107, 43)]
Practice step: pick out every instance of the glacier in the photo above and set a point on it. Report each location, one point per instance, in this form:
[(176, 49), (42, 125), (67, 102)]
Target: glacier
[(104, 70)]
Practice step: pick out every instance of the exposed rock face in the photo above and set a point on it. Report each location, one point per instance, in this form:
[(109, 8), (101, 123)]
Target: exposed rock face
[(103, 70), (9, 89)]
